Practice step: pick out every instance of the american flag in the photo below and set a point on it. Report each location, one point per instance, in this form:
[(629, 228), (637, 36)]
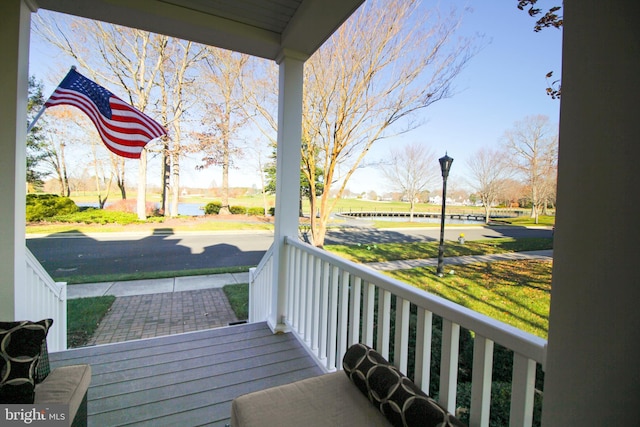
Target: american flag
[(124, 130)]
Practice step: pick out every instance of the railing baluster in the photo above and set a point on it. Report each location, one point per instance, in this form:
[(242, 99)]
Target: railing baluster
[(423, 348), (333, 319), (297, 277), (253, 293), (291, 258), (302, 295), (354, 311), (368, 313), (308, 284), (343, 318), (522, 391), (481, 382), (384, 322), (401, 342), (449, 364), (267, 286), (317, 286), (324, 312)]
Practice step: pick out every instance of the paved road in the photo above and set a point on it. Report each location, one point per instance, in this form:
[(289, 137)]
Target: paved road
[(129, 252), (352, 235)]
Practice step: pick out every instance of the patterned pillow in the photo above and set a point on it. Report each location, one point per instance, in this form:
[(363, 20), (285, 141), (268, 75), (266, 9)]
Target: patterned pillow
[(20, 347), (43, 368), (395, 395)]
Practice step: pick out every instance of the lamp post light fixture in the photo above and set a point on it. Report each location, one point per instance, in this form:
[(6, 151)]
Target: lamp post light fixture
[(445, 165)]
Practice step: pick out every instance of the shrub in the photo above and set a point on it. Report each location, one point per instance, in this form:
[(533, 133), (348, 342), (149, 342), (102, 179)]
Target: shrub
[(272, 211), (45, 206), (255, 211), (99, 216), (212, 208), (131, 206), (238, 210), (500, 404)]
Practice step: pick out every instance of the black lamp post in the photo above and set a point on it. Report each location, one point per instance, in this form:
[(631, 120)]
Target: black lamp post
[(445, 165)]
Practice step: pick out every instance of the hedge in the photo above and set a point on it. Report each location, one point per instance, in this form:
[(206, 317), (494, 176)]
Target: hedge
[(237, 210), (212, 208), (43, 206)]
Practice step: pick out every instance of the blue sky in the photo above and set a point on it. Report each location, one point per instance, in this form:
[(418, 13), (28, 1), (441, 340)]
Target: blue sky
[(503, 83)]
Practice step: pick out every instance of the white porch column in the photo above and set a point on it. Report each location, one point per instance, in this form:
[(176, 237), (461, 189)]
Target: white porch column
[(15, 19), (287, 177), (592, 373)]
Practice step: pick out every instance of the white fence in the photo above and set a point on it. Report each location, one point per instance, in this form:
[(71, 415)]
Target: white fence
[(43, 298), (333, 303), (260, 280)]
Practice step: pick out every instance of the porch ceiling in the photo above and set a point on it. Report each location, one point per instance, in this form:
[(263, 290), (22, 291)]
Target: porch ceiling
[(261, 28)]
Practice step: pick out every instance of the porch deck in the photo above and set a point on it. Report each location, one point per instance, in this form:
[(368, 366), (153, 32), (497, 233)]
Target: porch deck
[(188, 379)]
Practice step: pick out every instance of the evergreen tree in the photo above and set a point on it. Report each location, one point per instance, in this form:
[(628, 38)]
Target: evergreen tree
[(36, 150)]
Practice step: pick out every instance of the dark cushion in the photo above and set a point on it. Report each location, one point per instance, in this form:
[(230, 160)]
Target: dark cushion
[(20, 346), (394, 394)]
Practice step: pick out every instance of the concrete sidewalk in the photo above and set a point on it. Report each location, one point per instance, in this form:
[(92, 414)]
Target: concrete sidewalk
[(156, 286)]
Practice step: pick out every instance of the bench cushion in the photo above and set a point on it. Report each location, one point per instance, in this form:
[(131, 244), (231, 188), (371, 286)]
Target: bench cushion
[(66, 385), (326, 400)]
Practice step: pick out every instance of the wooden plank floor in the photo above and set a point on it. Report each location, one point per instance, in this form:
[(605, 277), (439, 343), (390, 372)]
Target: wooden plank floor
[(187, 379)]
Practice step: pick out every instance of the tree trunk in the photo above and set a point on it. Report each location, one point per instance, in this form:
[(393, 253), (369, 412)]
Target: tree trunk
[(224, 210), (142, 186), (175, 187), (412, 206), (165, 178), (63, 172), (487, 212)]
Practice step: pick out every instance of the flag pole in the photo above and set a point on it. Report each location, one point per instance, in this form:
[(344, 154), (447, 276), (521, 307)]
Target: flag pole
[(35, 119)]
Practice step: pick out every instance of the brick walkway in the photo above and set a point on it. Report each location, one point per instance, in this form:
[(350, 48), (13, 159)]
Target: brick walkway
[(153, 315)]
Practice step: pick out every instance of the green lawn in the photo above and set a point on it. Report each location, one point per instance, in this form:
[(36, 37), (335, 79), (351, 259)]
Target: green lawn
[(78, 279), (84, 316), (419, 250), (514, 292), (238, 296)]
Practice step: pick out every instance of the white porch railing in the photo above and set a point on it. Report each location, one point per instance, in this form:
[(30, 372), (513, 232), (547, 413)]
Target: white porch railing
[(43, 298), (331, 304), (260, 279)]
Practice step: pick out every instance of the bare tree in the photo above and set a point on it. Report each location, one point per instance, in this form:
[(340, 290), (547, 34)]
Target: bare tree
[(55, 145), (533, 147), (364, 85), (488, 170), (177, 88), (513, 191), (100, 175), (410, 170), (224, 71)]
